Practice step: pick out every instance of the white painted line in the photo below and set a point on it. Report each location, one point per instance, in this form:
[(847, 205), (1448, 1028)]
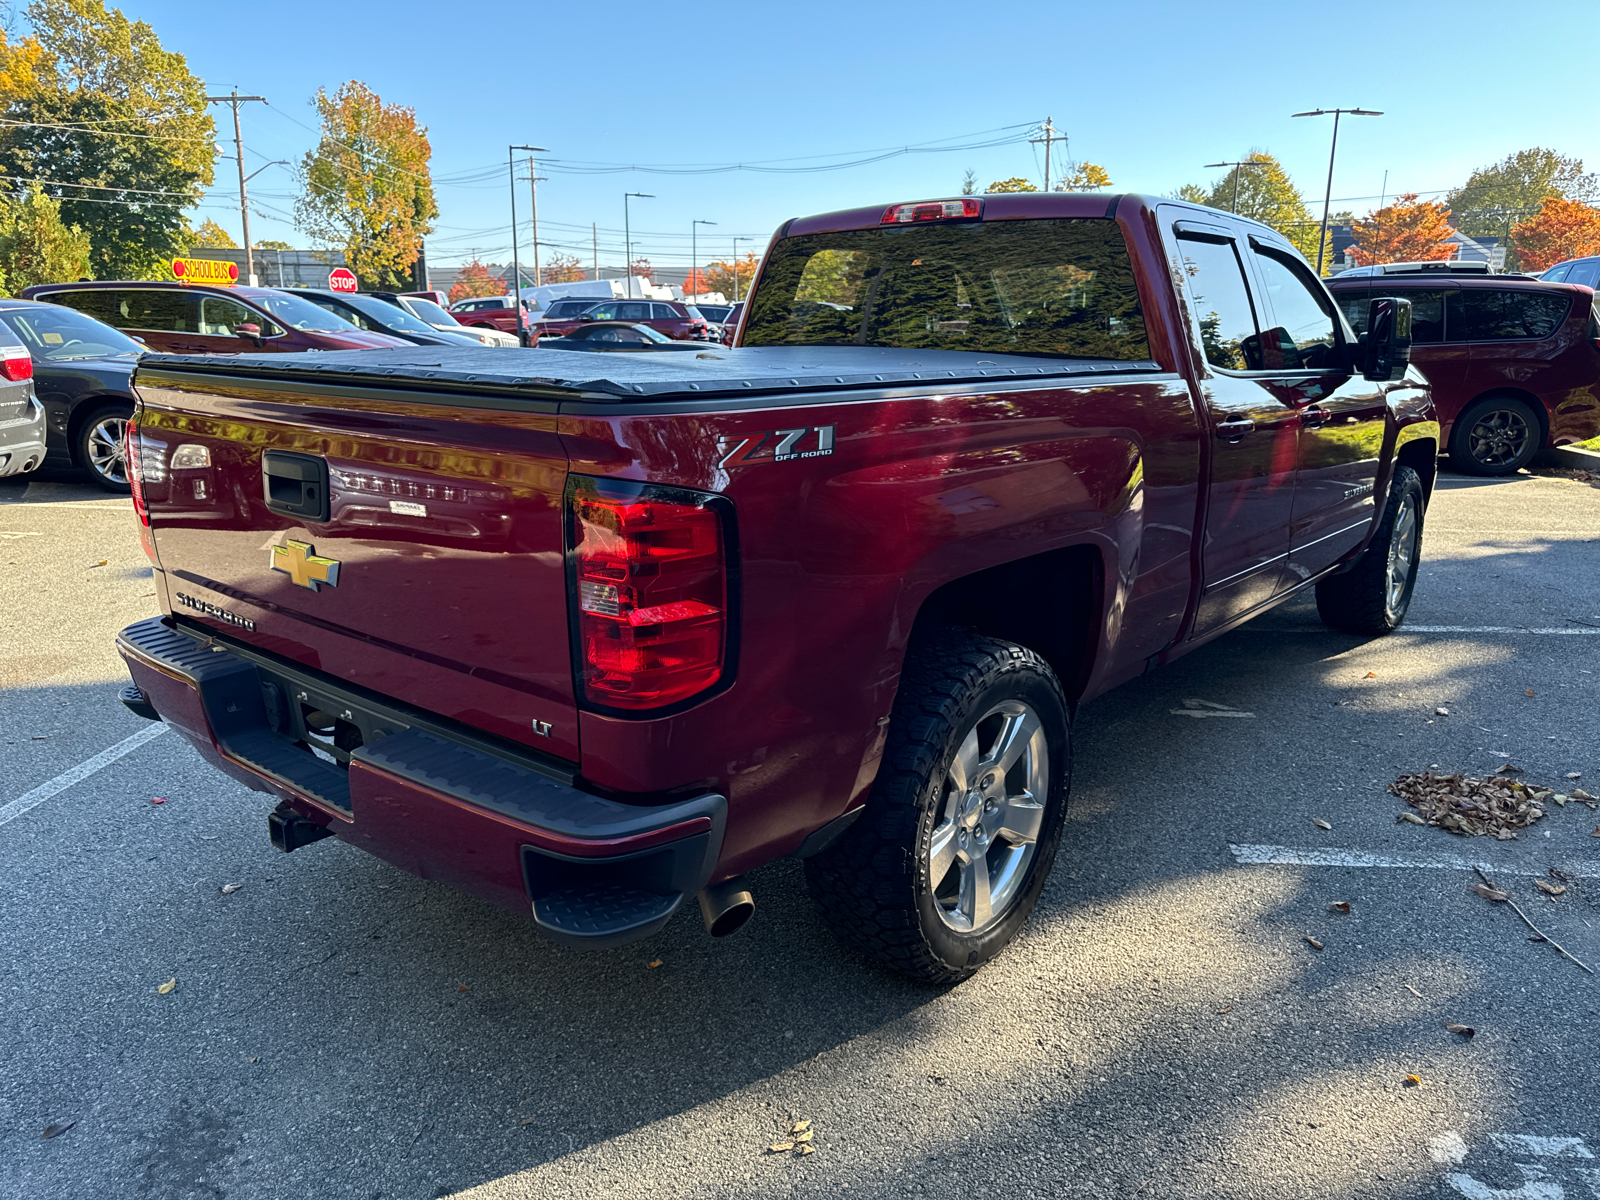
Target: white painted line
[(1332, 856), (29, 800), (1206, 708), (1571, 631), (120, 506)]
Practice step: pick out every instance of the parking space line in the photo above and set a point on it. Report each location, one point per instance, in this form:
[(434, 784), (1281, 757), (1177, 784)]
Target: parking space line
[(1581, 631), (1333, 856), (30, 800)]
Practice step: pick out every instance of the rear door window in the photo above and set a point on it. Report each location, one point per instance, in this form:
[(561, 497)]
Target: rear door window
[(1497, 315), (1557, 274), (100, 303), (1221, 303), (156, 311), (1586, 272)]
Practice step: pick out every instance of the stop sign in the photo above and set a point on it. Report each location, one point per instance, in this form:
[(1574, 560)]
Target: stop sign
[(342, 279)]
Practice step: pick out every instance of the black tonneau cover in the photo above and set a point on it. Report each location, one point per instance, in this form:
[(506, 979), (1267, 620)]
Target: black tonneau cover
[(576, 374)]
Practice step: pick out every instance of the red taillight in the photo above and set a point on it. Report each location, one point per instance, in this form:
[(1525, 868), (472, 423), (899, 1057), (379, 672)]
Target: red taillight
[(136, 485), (937, 210), (650, 575), (17, 365)]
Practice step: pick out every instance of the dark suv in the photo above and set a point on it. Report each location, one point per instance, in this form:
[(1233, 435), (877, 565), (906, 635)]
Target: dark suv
[(1514, 362), (680, 321)]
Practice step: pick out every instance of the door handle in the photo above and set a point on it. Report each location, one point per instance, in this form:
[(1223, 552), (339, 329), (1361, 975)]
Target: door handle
[(1314, 417), (1233, 431)]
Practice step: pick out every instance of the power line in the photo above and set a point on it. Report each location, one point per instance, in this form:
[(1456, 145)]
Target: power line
[(157, 137)]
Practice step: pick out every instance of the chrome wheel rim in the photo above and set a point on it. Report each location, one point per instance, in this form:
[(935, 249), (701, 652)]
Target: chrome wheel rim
[(108, 449), (992, 809), (1498, 437), (1402, 552)]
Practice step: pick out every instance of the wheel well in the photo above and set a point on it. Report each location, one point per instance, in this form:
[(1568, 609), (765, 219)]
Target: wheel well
[(83, 410), (1527, 398), (1422, 456), (1049, 603)]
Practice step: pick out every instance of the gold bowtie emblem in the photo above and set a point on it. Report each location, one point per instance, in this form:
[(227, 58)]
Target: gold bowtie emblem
[(300, 562)]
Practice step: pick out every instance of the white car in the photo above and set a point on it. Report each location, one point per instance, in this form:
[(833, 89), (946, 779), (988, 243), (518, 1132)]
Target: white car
[(427, 310)]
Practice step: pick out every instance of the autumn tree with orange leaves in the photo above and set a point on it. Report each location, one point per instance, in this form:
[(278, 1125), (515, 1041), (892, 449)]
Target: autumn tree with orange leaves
[(1563, 229), (563, 268), (474, 280), (1408, 230)]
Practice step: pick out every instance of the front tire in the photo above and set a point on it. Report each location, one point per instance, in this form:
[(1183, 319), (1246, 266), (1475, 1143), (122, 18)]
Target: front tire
[(1372, 597), (1496, 435), (964, 819), (102, 449)]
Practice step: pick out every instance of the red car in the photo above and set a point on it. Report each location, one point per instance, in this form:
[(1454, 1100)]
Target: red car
[(561, 317), (492, 312), (183, 318), (680, 321), (1514, 363)]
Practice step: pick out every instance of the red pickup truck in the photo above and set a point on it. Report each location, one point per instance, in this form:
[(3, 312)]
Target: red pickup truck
[(592, 636)]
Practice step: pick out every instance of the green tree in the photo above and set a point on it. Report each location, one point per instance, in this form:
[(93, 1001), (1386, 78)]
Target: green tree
[(367, 186), (35, 247), (720, 276), (1015, 184), (969, 183), (1520, 181), (1263, 192), (269, 244), (1084, 177), (212, 236), (112, 125)]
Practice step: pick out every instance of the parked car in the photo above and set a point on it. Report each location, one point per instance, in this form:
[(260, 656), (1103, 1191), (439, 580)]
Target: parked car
[(833, 596), (676, 320), (1514, 362), (182, 318), (1447, 266), (560, 317), (616, 335), (81, 371), (379, 316), (730, 324), (1583, 271), (431, 314), (494, 312), (717, 314), (433, 297), (22, 419)]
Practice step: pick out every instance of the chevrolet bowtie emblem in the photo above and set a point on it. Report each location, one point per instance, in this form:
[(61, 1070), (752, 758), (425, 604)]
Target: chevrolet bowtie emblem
[(300, 562)]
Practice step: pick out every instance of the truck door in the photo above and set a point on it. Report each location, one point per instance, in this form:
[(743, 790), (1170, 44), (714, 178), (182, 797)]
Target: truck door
[(1309, 365), (1254, 432)]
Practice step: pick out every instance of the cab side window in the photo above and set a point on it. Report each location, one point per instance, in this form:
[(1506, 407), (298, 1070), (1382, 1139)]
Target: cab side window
[(156, 311), (1304, 338), (1221, 303), (100, 304)]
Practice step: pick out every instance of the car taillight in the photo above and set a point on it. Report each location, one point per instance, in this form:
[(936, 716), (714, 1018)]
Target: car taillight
[(937, 210), (136, 485), (649, 568), (17, 364)]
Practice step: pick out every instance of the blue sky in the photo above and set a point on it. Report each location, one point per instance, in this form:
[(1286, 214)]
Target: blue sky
[(1149, 91)]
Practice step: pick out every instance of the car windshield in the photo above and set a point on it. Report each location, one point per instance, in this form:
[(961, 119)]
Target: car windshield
[(383, 313), (428, 311), (1051, 287), (302, 314), (650, 335), (54, 334)]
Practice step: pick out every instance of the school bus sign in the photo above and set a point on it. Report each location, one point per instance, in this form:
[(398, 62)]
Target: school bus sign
[(214, 271)]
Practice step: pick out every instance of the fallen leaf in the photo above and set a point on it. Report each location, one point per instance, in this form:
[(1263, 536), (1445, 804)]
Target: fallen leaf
[(158, 799), (1536, 938), (167, 987), (461, 987), (229, 889), (1342, 906), (56, 1128), (208, 837), (651, 966), (529, 1120), (1489, 893), (256, 1059), (1226, 1008), (1463, 1030), (1411, 817), (1528, 692), (1560, 800), (1558, 873), (1574, 774), (1441, 712), (1508, 769), (805, 1150), (1370, 675), (1315, 945), (1580, 794), (1320, 823), (780, 1147), (1412, 990), (800, 1127), (806, 1136), (1550, 889), (101, 563), (1596, 832), (1413, 1081)]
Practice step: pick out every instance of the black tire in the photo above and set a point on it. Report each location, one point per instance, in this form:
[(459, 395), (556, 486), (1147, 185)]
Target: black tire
[(874, 884), (1372, 596), (1495, 435), (99, 448)]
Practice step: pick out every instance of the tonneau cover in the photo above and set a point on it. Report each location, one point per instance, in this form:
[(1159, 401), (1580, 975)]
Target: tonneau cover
[(576, 374)]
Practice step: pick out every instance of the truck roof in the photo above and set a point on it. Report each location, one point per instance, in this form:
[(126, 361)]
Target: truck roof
[(574, 374)]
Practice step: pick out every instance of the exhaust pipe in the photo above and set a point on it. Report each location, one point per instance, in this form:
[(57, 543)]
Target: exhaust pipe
[(726, 906)]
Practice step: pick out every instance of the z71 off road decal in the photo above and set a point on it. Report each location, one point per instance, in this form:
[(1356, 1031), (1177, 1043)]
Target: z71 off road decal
[(775, 445)]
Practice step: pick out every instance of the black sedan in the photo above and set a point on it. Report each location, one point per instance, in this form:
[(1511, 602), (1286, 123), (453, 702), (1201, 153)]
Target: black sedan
[(617, 335), (375, 316), (81, 373)]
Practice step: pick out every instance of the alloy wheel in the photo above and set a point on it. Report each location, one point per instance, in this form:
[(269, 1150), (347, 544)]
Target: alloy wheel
[(1498, 437), (1402, 553), (108, 450)]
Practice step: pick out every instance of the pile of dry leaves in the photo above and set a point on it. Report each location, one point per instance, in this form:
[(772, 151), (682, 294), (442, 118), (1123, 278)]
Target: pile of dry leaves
[(1498, 806)]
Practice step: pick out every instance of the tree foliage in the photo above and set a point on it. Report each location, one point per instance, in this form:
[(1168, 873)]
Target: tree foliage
[(214, 236), (474, 280), (113, 126), (1263, 192), (720, 276), (270, 244), (641, 268), (563, 268), (1563, 229), (1015, 184), (1409, 230), (1523, 180), (1084, 177), (35, 246), (969, 183), (367, 187)]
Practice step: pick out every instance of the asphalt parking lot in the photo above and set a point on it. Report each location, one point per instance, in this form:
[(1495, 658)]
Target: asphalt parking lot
[(340, 1029)]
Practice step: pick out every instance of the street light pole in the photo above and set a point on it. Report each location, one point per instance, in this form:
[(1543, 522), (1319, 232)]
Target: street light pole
[(627, 237), (1327, 196), (694, 252), (516, 264), (736, 242), (1233, 205)]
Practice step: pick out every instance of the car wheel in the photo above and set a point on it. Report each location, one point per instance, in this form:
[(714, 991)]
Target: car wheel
[(960, 830), (102, 449), (1496, 435), (1372, 596)]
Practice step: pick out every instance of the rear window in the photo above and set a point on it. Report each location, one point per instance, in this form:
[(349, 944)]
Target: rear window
[(1493, 315), (1052, 287)]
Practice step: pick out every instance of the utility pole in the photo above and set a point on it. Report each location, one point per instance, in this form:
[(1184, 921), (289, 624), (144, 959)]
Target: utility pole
[(736, 242), (516, 265), (235, 99), (1233, 205), (627, 237), (533, 199), (1049, 137), (1327, 196), (694, 254), (594, 232)]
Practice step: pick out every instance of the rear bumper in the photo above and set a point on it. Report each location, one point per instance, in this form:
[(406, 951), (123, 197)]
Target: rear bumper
[(22, 441), (428, 797)]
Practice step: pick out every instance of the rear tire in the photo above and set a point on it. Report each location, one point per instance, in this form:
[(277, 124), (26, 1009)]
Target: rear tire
[(1496, 435), (1372, 597), (965, 816), (101, 447)]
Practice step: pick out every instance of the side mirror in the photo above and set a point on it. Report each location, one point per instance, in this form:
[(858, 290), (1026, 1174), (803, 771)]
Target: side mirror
[(585, 317), (1386, 346), (247, 330)]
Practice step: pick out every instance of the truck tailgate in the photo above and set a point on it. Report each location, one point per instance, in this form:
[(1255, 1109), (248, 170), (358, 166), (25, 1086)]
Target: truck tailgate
[(408, 545)]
